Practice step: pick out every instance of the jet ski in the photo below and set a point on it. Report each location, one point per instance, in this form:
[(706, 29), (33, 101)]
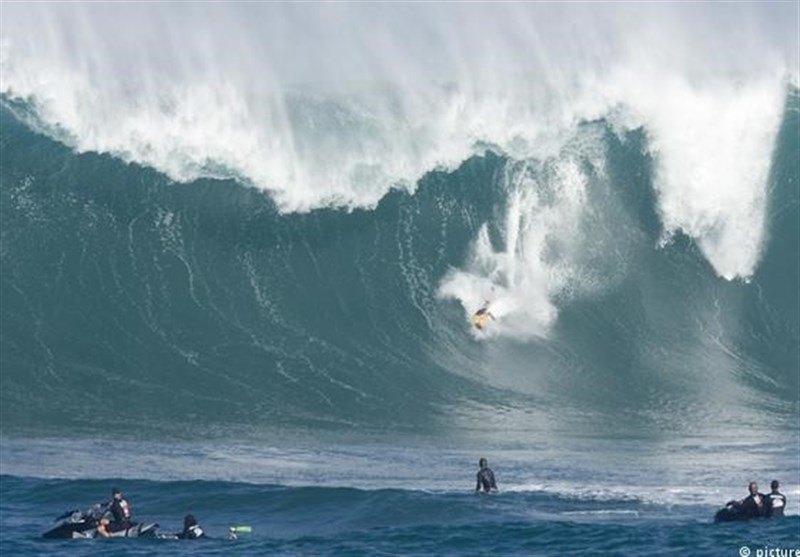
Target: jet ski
[(731, 512), (83, 524)]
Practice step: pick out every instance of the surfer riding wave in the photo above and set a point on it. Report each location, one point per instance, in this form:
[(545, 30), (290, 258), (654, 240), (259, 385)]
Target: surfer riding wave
[(481, 317)]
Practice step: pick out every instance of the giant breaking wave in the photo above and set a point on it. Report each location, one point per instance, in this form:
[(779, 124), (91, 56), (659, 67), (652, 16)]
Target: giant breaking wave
[(630, 208)]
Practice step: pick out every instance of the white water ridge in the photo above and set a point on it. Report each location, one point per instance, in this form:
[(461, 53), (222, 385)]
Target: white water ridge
[(335, 104)]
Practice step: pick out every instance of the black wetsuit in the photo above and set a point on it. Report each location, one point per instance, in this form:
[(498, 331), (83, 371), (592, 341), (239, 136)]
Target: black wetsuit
[(751, 509), (121, 511), (193, 532), (486, 481), (775, 502)]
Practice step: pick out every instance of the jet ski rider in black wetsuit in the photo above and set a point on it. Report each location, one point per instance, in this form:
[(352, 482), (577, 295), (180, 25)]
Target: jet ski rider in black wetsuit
[(121, 512), (776, 501), (754, 505)]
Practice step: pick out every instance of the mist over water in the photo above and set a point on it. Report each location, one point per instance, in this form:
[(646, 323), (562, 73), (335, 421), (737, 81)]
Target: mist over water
[(333, 105)]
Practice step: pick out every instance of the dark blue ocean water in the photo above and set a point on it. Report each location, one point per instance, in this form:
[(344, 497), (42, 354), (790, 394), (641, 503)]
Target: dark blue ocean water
[(348, 521), (314, 374), (383, 501)]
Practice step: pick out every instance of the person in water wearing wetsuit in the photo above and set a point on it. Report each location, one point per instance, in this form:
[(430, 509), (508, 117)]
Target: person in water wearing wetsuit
[(120, 511), (191, 529), (486, 483), (775, 501), (754, 505)]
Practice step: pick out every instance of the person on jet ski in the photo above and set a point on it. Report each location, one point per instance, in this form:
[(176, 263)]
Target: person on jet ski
[(775, 501), (120, 511), (191, 529), (754, 505)]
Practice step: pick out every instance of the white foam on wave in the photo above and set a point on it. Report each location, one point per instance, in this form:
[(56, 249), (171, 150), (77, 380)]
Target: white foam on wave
[(538, 253), (713, 146), (340, 116), (333, 105), (663, 495)]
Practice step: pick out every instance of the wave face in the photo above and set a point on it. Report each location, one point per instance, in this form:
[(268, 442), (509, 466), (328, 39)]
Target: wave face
[(631, 211), (128, 299)]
